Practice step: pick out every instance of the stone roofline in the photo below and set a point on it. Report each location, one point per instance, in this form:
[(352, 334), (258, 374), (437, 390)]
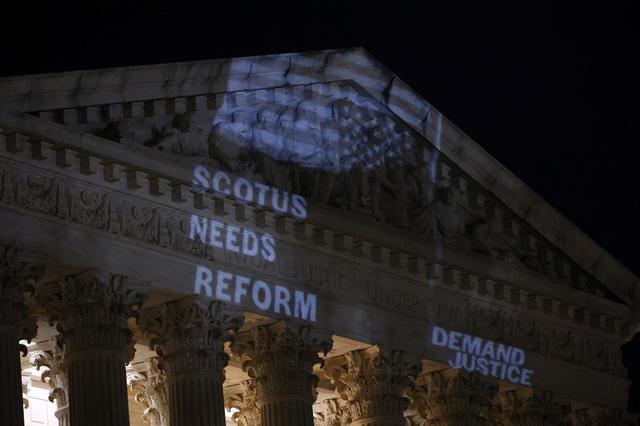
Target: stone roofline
[(93, 87)]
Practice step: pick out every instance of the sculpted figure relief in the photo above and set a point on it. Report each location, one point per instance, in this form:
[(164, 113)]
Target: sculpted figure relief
[(349, 152), (182, 135), (342, 153)]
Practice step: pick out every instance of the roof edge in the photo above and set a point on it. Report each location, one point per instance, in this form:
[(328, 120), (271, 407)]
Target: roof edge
[(141, 82)]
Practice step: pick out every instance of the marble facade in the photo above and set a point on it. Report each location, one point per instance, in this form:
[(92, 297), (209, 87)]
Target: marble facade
[(410, 232)]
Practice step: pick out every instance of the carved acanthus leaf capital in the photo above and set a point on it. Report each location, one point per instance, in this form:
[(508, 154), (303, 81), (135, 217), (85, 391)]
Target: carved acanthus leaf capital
[(528, 405), (601, 416), (54, 371), (332, 412), (373, 382), (189, 334), (18, 274), (453, 397), (248, 413), (92, 309), (151, 392), (280, 357)]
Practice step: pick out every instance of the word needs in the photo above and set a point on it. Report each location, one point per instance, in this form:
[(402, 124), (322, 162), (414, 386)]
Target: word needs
[(232, 238), (243, 190), (484, 356)]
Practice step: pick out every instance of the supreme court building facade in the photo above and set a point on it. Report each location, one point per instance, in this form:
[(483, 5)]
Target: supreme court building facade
[(287, 240)]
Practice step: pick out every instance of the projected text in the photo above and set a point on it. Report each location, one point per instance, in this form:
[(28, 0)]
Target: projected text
[(484, 356), (239, 289), (249, 192), (232, 238)]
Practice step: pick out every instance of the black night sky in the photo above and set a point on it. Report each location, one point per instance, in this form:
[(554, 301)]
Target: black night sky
[(550, 90)]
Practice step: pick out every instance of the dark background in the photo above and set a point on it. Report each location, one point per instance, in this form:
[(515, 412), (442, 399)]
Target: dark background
[(550, 90)]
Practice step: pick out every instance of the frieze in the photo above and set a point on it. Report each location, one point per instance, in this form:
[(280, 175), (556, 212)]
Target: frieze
[(142, 221), (167, 228), (294, 264), (523, 331)]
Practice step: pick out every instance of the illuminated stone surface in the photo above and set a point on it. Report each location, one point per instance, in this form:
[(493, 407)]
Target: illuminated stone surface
[(385, 212), (279, 358)]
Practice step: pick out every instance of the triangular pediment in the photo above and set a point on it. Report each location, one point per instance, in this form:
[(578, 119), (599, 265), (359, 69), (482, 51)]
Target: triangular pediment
[(339, 128)]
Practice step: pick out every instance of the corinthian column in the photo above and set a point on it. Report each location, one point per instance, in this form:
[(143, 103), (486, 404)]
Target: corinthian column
[(280, 359), (55, 375), (16, 277), (373, 382), (189, 336), (93, 310), (332, 412), (151, 392), (454, 397), (248, 413)]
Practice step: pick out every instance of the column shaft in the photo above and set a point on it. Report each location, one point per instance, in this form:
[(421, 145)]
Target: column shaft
[(97, 389), (196, 400), (11, 411), (287, 411)]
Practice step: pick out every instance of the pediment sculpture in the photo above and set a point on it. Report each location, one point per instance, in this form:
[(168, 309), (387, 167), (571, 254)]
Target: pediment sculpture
[(350, 152)]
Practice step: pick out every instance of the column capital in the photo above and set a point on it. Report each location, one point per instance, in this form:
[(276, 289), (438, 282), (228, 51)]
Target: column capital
[(189, 334), (55, 375), (248, 413), (18, 274), (332, 412), (54, 370), (92, 309), (453, 396), (280, 356), (373, 382), (189, 337), (531, 405), (151, 392), (601, 416)]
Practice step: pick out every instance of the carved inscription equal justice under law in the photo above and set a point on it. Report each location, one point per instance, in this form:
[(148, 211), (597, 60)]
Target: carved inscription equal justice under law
[(236, 288)]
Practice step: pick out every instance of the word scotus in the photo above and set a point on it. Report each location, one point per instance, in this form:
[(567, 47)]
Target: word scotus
[(484, 356), (242, 190)]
